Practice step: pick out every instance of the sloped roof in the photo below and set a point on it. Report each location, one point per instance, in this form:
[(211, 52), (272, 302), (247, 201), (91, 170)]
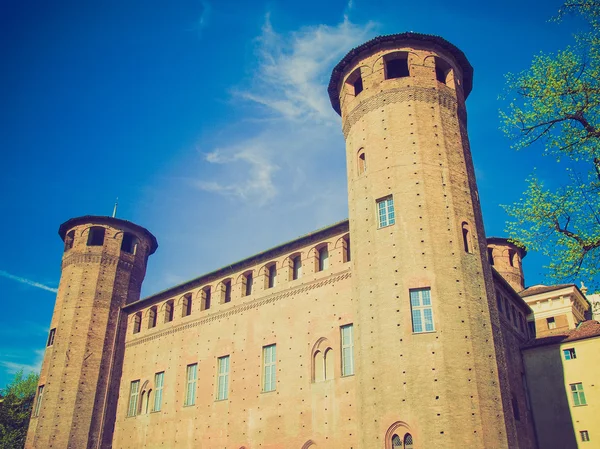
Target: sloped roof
[(585, 329), (537, 289)]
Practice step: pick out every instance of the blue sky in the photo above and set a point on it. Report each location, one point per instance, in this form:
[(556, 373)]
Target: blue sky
[(210, 121)]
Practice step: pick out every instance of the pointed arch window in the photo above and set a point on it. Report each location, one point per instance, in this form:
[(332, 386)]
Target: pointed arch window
[(248, 280), (205, 298), (169, 306), (137, 322), (186, 305), (396, 442), (408, 441), (152, 317), (362, 161)]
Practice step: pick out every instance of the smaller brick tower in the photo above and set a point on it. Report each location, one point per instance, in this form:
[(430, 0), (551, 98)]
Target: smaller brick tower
[(506, 257), (103, 266)]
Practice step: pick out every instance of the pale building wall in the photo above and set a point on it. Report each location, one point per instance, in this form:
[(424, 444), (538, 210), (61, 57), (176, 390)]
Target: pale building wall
[(558, 421), (296, 315)]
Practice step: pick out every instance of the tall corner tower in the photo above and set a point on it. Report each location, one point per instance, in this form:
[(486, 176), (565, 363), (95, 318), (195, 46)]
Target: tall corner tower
[(429, 352), (103, 266)]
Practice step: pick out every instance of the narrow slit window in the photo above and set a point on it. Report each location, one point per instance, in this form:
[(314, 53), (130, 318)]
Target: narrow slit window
[(323, 254), (248, 281), (421, 310), (585, 435), (51, 337), (190, 389), (186, 309), (69, 240), (137, 322), (169, 306), (466, 234), (362, 162), (227, 294), (152, 317), (347, 254), (223, 378), (296, 267), (205, 302), (38, 401), (347, 337), (96, 236), (271, 276), (385, 212)]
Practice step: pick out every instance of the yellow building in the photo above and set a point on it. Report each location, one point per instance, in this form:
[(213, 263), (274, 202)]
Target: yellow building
[(564, 387)]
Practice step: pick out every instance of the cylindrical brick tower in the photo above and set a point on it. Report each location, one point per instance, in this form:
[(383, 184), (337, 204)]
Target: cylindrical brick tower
[(103, 266), (427, 334), (507, 259)]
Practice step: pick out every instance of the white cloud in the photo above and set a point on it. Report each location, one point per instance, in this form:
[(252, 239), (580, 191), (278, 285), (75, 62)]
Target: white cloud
[(289, 87), (33, 366), (26, 281)]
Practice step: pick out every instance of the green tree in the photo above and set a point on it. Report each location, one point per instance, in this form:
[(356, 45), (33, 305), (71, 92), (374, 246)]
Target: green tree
[(16, 401), (556, 104)]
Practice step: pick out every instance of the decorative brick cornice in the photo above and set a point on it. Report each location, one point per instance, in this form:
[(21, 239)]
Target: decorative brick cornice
[(444, 97), (102, 259), (244, 307)]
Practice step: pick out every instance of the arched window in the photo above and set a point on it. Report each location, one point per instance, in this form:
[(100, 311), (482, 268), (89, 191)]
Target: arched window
[(69, 240), (296, 267), (511, 255), (137, 322), (396, 65), (143, 402), (205, 298), (129, 243), (147, 405), (323, 255), (328, 364), (247, 280), (271, 275), (355, 82), (186, 305), (152, 317), (443, 72), (226, 291), (362, 161), (169, 306), (396, 442), (408, 441), (466, 234), (96, 236), (319, 366)]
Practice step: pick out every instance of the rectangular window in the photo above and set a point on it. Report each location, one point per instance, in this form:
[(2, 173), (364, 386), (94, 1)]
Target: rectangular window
[(159, 381), (272, 276), (347, 350), (134, 391), (585, 436), (190, 389), (422, 312), (297, 268), (323, 259), (248, 287), (223, 378), (227, 291), (385, 211), (51, 337), (578, 394), (269, 370), (38, 401), (569, 354), (551, 323)]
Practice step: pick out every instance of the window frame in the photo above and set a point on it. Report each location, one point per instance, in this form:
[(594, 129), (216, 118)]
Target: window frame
[(38, 400), (223, 378), (269, 380), (51, 337), (134, 395), (578, 394), (386, 215), (584, 435), (421, 309), (159, 384), (569, 353), (347, 350), (191, 378)]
